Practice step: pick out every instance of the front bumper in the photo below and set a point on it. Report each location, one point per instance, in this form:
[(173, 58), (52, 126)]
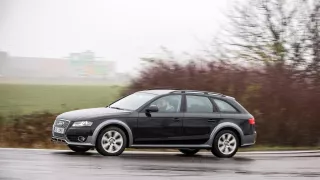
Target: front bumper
[(71, 134), (249, 140), (64, 140)]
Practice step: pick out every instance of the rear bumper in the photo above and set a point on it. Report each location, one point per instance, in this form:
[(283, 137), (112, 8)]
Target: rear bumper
[(249, 140)]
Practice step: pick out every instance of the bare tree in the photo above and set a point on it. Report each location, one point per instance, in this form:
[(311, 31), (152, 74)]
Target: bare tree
[(313, 27), (275, 32)]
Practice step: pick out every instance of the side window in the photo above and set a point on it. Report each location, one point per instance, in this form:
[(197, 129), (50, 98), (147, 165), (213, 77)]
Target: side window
[(199, 104), (171, 103), (224, 106)]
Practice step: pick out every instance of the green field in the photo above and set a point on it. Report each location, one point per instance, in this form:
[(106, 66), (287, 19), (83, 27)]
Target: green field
[(25, 98)]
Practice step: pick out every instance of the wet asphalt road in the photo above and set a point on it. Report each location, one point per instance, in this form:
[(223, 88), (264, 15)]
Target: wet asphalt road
[(16, 164)]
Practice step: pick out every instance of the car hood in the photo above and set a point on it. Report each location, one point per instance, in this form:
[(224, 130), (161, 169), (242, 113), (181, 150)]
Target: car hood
[(91, 114)]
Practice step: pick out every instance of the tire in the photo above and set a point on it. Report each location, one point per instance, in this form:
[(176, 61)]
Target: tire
[(225, 144), (189, 152), (111, 141), (79, 149)]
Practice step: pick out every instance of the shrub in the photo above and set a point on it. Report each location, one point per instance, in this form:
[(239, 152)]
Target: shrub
[(285, 106), (28, 131)]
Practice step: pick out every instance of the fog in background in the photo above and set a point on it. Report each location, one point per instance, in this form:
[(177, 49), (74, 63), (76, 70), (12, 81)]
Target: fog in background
[(268, 59), (121, 31)]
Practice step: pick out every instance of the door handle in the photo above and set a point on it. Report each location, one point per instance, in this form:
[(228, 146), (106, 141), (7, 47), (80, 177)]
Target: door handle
[(212, 120), (176, 119)]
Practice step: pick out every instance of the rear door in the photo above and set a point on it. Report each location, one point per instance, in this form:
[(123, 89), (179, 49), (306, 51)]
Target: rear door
[(200, 118)]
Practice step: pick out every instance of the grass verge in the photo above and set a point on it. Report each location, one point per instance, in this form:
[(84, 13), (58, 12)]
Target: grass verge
[(22, 99)]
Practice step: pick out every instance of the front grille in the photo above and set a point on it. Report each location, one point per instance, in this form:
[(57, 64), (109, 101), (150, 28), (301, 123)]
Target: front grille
[(64, 125), (58, 135), (61, 123)]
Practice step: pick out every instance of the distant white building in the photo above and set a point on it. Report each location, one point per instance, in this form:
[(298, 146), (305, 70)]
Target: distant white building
[(59, 70)]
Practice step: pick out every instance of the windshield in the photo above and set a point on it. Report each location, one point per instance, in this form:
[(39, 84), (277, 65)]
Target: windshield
[(133, 101)]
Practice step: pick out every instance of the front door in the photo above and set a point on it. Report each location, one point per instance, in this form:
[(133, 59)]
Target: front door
[(162, 127)]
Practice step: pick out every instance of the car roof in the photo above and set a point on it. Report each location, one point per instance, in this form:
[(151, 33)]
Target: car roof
[(158, 91), (167, 91)]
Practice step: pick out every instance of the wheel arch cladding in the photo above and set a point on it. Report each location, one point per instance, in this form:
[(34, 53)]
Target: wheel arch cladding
[(115, 123), (227, 126)]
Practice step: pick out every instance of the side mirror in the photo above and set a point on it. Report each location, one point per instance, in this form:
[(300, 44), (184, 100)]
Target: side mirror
[(152, 108)]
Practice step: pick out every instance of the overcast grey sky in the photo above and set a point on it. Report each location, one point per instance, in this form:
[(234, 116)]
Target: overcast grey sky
[(119, 30)]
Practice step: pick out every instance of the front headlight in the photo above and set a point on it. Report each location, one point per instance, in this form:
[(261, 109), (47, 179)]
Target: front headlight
[(82, 123)]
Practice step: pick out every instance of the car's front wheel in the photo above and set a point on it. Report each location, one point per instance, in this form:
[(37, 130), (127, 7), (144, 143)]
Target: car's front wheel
[(111, 141), (80, 149), (225, 144), (189, 152)]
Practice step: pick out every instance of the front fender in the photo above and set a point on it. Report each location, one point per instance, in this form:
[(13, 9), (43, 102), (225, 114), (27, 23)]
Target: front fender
[(112, 122)]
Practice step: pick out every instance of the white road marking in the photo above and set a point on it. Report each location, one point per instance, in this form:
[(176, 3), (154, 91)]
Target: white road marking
[(165, 152)]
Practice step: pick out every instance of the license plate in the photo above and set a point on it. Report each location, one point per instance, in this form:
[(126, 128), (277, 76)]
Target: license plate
[(59, 130)]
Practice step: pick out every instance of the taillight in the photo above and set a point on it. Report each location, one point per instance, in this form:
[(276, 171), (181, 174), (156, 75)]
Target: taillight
[(251, 121)]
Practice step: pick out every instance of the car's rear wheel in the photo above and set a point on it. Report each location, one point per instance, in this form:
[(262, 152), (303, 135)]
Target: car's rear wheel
[(80, 149), (189, 152), (225, 144), (111, 141)]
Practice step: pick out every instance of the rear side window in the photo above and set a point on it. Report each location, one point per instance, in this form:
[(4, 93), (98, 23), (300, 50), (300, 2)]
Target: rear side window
[(224, 106), (199, 104)]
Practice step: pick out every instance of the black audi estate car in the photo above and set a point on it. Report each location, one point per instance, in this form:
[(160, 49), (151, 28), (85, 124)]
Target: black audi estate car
[(188, 120)]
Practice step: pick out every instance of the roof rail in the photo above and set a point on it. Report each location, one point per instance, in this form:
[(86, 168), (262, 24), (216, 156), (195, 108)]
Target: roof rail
[(159, 88), (197, 91)]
